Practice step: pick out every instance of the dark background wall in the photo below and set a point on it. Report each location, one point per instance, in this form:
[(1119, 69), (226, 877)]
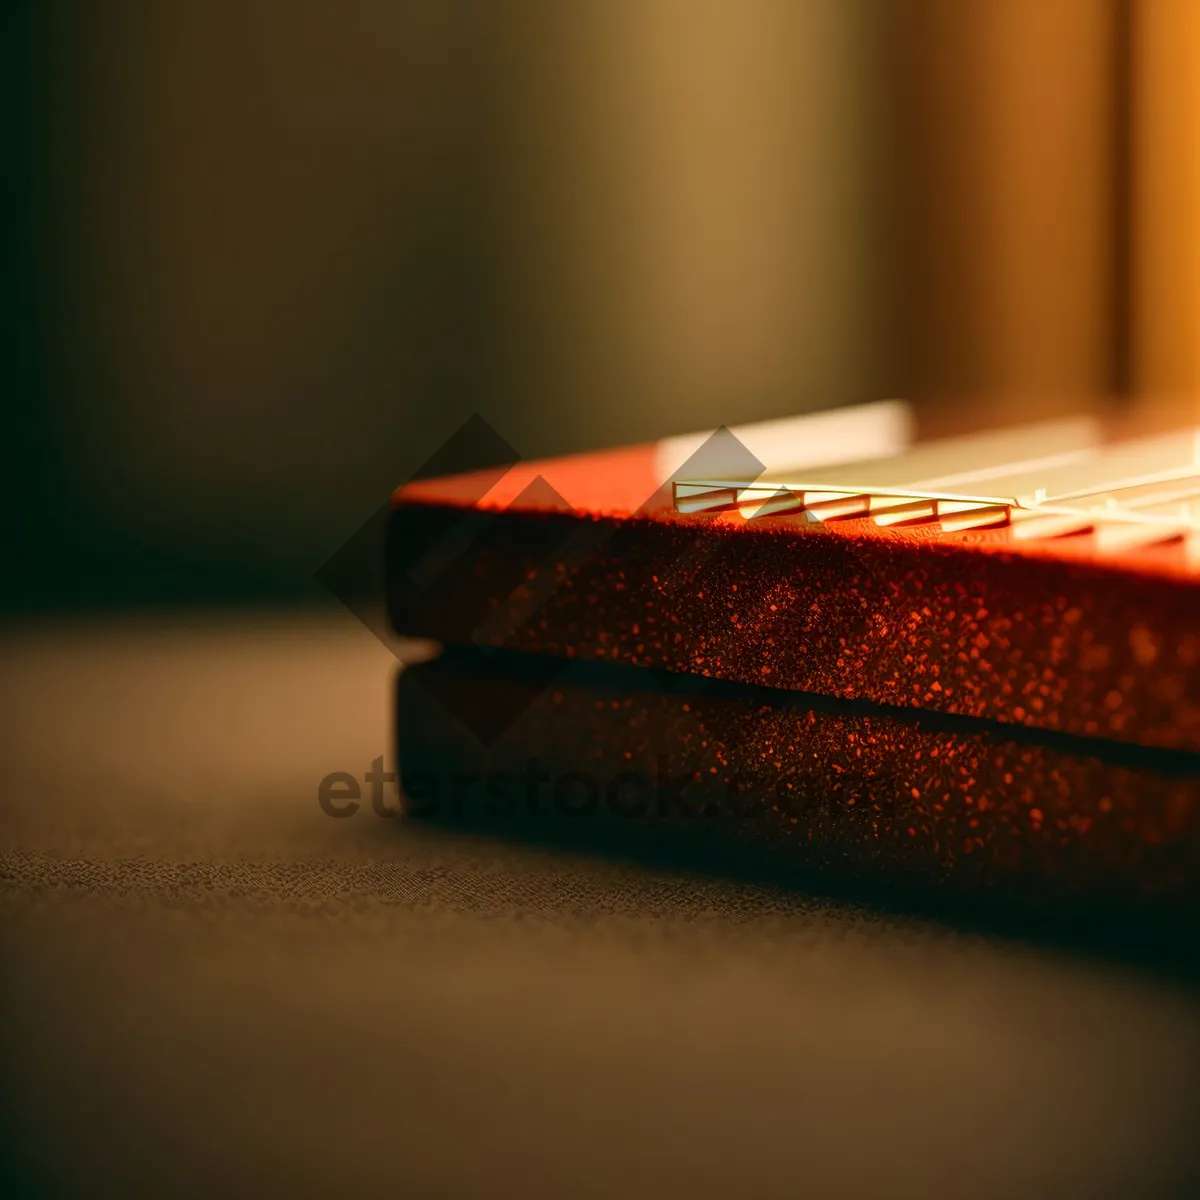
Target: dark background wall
[(259, 260)]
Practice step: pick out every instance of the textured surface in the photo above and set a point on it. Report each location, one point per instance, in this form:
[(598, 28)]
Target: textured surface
[(1047, 634), (977, 810), (210, 985)]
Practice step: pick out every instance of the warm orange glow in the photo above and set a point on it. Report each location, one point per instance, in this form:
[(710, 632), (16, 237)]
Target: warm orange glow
[(1166, 197)]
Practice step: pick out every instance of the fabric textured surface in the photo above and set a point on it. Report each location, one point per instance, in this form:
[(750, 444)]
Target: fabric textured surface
[(209, 983)]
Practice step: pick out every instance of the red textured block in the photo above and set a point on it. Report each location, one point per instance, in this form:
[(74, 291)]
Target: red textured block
[(585, 558), (623, 758)]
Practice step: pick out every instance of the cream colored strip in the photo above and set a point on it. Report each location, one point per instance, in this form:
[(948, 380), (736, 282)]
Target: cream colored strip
[(1058, 525), (1113, 537)]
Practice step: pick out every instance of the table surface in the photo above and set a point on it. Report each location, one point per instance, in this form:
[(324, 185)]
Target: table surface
[(209, 983)]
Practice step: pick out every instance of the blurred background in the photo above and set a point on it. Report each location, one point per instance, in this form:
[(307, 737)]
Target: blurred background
[(259, 260)]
